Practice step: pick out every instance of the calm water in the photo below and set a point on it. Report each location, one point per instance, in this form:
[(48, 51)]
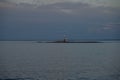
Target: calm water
[(27, 60)]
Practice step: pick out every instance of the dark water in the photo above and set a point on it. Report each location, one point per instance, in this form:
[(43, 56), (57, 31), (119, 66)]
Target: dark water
[(51, 61)]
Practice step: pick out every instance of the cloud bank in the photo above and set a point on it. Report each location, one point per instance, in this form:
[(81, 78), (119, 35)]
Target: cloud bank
[(111, 3)]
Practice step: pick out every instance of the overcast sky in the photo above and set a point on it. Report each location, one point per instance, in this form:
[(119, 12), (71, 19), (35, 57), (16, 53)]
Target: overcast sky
[(51, 19)]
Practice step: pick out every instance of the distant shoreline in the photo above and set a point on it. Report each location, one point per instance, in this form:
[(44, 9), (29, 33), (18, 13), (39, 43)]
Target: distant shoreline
[(72, 40)]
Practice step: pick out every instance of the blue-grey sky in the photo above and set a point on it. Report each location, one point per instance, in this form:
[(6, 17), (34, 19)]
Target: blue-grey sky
[(51, 19)]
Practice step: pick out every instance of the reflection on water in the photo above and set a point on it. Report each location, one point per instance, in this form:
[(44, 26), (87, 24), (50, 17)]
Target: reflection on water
[(51, 61)]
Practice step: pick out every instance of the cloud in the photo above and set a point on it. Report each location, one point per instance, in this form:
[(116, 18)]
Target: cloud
[(108, 28), (112, 26), (75, 8), (6, 5), (67, 11), (78, 11), (112, 3)]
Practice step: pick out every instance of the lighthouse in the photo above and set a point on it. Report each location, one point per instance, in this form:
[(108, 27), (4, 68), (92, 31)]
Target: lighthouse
[(65, 39)]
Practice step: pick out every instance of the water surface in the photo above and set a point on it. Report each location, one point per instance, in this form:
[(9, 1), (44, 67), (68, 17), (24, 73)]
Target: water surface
[(28, 60)]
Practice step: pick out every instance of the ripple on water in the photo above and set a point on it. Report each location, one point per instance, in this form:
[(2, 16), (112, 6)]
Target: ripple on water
[(110, 77)]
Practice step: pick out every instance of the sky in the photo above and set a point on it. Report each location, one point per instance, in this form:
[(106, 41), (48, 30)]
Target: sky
[(52, 19)]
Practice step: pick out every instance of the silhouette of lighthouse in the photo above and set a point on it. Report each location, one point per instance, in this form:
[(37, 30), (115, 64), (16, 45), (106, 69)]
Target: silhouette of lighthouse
[(65, 39)]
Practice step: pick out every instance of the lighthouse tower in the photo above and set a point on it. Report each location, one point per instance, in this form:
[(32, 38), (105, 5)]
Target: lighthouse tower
[(65, 39)]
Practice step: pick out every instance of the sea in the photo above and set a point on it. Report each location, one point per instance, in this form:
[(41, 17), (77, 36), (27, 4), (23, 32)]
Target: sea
[(29, 60)]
